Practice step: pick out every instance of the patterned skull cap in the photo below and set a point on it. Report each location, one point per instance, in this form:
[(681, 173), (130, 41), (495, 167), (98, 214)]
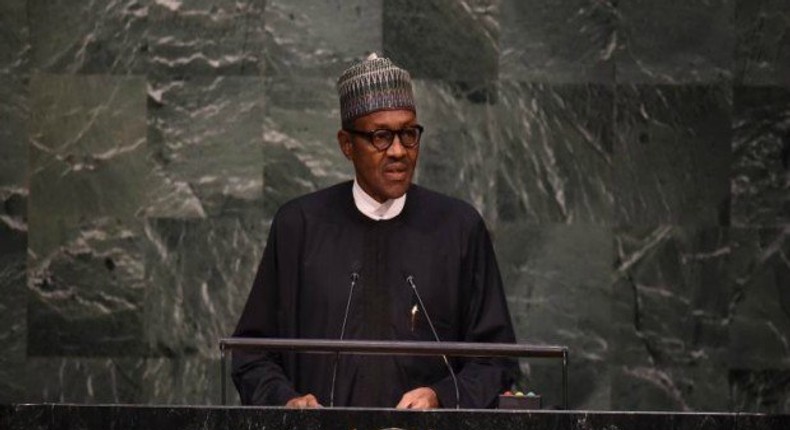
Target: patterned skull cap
[(372, 85)]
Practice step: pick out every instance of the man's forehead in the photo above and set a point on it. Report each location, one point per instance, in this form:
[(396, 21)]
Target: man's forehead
[(387, 119)]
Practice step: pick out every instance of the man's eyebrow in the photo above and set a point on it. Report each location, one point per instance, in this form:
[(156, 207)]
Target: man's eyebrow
[(377, 126)]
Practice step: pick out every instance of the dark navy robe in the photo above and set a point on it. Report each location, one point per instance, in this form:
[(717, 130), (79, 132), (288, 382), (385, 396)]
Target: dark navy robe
[(316, 243)]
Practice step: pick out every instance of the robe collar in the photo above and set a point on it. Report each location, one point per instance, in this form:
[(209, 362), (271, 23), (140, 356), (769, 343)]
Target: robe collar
[(373, 209)]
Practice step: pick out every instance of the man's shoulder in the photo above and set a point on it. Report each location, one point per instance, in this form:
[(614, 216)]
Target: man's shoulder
[(323, 201), (442, 206)]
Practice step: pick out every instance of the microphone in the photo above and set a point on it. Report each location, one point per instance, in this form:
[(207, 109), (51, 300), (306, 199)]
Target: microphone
[(410, 281), (354, 277)]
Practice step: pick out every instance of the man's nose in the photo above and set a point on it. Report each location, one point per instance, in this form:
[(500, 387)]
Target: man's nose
[(396, 150)]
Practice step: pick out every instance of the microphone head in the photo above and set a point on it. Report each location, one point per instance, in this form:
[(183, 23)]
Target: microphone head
[(410, 281), (356, 267)]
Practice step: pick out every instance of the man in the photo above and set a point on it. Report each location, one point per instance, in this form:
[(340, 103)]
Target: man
[(382, 234)]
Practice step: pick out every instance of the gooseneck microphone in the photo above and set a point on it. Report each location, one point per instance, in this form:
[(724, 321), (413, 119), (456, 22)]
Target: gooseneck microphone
[(410, 281), (354, 277)]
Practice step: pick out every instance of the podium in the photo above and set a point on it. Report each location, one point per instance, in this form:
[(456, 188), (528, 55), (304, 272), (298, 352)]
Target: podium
[(57, 417), (452, 349)]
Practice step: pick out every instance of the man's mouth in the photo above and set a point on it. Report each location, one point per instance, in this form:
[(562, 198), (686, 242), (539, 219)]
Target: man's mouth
[(398, 172)]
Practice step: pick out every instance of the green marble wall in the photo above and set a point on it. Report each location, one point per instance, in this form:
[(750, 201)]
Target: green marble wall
[(631, 158)]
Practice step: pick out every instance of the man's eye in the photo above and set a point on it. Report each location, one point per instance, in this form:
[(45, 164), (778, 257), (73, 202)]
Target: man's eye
[(382, 135)]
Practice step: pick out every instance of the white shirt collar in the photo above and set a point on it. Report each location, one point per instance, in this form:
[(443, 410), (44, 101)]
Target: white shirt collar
[(373, 209)]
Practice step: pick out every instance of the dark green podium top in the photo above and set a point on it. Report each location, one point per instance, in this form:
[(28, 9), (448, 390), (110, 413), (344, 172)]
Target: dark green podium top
[(130, 417)]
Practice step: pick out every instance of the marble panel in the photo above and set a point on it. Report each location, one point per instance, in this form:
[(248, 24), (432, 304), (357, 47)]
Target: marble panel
[(558, 284), (554, 153), (13, 417), (760, 391), (762, 42), (301, 153), (149, 201), (86, 297), (558, 41), (87, 153), (84, 380), (670, 311), (676, 41), (759, 326), (672, 155), (13, 328), (87, 417), (457, 153), (762, 421), (205, 137), (88, 177), (136, 417), (376, 419), (672, 388), (13, 219), (14, 37), (320, 38), (451, 40), (206, 38), (703, 421), (74, 36), (672, 297), (14, 113), (184, 381), (199, 273), (654, 421), (760, 181)]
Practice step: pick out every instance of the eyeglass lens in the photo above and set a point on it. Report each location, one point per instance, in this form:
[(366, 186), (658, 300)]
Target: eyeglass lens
[(382, 139)]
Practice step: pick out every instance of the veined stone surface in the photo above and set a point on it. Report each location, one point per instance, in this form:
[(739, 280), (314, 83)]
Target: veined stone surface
[(760, 181), (675, 42), (762, 40), (631, 160), (558, 41)]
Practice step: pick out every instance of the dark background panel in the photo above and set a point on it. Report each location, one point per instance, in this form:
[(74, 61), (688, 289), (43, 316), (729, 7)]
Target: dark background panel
[(762, 42), (670, 313), (558, 283), (189, 122), (88, 173), (195, 287), (14, 115), (675, 41), (672, 155), (14, 36), (458, 153), (84, 380), (319, 39), (761, 156), (555, 159), (13, 320), (760, 307), (558, 41), (445, 39), (300, 149), (204, 38), (628, 158), (73, 36)]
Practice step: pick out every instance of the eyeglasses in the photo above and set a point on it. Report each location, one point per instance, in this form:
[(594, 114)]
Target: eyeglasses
[(382, 139)]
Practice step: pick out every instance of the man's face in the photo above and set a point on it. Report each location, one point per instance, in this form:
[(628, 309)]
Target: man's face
[(385, 174)]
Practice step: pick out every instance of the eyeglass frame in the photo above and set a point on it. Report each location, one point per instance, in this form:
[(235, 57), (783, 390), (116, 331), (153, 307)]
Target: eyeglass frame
[(369, 135)]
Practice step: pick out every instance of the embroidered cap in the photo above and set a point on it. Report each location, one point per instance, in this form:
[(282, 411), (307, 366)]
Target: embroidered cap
[(373, 85)]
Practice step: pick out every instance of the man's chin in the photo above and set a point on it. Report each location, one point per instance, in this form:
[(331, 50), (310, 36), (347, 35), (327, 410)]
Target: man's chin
[(397, 191)]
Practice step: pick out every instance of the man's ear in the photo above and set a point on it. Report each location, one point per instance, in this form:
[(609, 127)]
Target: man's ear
[(344, 140)]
